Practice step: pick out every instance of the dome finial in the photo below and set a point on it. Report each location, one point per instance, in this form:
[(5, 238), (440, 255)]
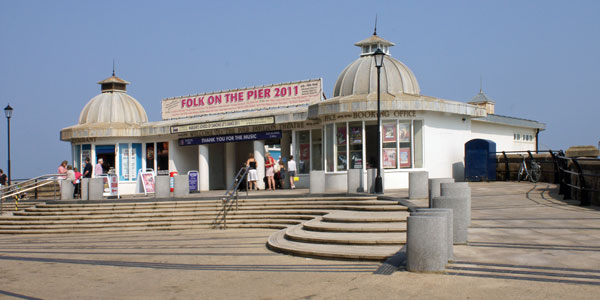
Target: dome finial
[(480, 84), (375, 31), (113, 66)]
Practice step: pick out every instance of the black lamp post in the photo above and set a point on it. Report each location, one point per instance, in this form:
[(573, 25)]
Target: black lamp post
[(378, 56), (8, 112)]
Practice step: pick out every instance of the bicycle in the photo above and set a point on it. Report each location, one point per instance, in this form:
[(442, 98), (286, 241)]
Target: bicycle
[(525, 174)]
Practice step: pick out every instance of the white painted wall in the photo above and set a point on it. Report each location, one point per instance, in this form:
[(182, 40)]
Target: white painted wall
[(182, 158), (444, 138), (503, 135)]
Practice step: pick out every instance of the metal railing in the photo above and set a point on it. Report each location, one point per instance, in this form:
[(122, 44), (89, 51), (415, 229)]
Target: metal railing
[(564, 169), (18, 189), (231, 197)]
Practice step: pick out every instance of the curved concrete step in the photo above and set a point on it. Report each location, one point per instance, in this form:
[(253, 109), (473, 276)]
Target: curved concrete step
[(365, 217), (296, 233), (317, 224), (278, 242)]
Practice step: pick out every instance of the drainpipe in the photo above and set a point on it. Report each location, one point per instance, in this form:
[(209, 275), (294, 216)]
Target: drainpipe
[(537, 141)]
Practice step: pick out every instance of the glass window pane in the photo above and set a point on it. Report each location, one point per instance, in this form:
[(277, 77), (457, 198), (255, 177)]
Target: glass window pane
[(390, 149), (341, 141), (303, 151), (355, 144), (162, 158), (418, 143), (404, 137), (123, 162), (317, 149), (77, 157), (150, 156), (329, 144), (135, 160)]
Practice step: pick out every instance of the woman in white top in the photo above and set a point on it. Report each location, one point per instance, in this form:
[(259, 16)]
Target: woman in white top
[(291, 171)]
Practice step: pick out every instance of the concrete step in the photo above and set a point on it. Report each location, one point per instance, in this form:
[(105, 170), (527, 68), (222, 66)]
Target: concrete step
[(318, 224), (366, 217), (278, 242), (156, 218), (199, 214), (298, 234), (172, 223)]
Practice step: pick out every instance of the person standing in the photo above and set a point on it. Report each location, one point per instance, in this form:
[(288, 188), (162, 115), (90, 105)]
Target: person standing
[(270, 172), (98, 168), (252, 174), (282, 172), (62, 170), (2, 178), (291, 171), (87, 170), (77, 182)]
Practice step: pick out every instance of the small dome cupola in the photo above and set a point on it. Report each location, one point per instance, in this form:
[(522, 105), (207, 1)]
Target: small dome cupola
[(369, 45), (113, 84)]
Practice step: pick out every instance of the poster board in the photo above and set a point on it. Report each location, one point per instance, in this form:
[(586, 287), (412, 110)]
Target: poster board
[(145, 182), (111, 185), (193, 180)]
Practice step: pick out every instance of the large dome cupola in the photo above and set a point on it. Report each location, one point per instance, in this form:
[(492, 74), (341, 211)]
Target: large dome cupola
[(360, 77), (113, 105)]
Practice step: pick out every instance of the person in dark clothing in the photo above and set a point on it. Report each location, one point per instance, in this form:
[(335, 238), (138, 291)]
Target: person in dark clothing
[(87, 170), (2, 178)]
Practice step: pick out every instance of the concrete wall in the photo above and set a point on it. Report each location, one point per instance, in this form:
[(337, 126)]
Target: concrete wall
[(182, 158), (336, 182)]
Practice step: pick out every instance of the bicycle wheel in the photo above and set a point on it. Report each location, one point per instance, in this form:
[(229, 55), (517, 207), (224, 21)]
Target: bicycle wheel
[(536, 172), (520, 173)]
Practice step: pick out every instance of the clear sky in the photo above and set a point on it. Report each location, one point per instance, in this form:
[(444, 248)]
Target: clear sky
[(539, 60)]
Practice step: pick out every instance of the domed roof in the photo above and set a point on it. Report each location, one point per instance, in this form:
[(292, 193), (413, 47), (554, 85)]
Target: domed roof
[(113, 105), (360, 77)]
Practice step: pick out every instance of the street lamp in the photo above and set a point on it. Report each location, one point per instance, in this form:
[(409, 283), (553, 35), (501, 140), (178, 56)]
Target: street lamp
[(378, 56), (8, 112)]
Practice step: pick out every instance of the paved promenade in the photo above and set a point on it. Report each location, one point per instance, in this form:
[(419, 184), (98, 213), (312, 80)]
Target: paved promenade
[(524, 243)]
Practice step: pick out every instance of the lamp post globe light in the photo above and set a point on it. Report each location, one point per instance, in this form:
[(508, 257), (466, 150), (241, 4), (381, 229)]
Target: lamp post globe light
[(378, 56), (8, 112)]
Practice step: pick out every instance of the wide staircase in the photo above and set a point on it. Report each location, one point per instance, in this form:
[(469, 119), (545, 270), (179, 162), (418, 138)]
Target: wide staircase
[(335, 227)]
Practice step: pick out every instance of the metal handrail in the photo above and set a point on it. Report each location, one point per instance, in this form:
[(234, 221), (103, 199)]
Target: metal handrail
[(21, 187), (232, 194)]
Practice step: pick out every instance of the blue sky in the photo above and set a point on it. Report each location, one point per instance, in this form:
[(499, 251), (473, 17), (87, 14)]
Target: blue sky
[(539, 60)]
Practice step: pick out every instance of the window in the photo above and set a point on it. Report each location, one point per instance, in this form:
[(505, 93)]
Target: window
[(317, 149), (355, 145), (162, 158), (150, 156), (341, 138), (303, 151), (390, 145), (329, 147), (405, 138)]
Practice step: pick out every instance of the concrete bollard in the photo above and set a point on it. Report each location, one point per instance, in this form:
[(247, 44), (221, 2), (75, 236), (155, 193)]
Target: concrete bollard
[(460, 224), (458, 189), (355, 181), (418, 185), (317, 182), (426, 244), (371, 175), (85, 183), (449, 216), (96, 189), (162, 187), (181, 186), (435, 187), (66, 190)]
